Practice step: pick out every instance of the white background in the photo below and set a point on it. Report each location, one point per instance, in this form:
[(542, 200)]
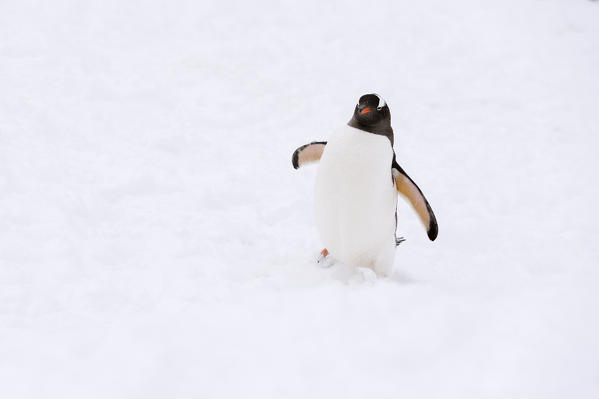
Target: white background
[(155, 241)]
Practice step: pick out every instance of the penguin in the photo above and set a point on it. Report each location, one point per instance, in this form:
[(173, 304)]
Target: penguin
[(357, 185)]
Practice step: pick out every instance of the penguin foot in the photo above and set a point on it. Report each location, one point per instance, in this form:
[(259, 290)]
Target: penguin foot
[(399, 240), (324, 260)]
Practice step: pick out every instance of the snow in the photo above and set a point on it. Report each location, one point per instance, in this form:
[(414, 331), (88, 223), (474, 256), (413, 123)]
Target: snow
[(156, 242)]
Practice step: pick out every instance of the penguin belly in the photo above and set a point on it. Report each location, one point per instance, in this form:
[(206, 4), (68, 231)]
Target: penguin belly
[(355, 199)]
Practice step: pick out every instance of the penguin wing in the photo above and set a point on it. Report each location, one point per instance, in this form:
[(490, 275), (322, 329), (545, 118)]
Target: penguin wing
[(307, 153), (410, 191)]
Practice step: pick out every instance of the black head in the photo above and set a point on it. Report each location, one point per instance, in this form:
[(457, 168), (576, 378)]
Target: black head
[(372, 115)]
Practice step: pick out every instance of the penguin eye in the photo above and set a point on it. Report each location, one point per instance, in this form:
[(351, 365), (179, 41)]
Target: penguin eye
[(382, 102)]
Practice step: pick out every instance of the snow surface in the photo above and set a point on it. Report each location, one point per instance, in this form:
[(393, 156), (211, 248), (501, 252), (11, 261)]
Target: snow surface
[(156, 242)]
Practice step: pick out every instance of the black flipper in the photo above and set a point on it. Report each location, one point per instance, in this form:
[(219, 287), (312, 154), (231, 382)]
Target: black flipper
[(308, 153), (410, 191)]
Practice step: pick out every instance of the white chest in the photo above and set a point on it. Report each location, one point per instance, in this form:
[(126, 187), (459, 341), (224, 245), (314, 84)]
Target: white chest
[(355, 196)]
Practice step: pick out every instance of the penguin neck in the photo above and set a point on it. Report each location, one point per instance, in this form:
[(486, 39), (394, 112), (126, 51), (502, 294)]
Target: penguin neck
[(381, 128)]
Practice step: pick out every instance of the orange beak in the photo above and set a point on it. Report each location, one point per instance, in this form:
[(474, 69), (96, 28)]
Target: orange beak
[(365, 111)]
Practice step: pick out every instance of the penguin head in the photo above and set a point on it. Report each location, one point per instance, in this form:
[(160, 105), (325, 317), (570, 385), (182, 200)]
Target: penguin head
[(372, 115), (372, 110)]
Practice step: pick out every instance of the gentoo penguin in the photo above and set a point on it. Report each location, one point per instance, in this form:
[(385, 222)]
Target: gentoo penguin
[(357, 183)]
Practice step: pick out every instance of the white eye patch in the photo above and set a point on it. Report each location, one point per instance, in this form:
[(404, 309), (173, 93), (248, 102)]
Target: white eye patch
[(382, 102)]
